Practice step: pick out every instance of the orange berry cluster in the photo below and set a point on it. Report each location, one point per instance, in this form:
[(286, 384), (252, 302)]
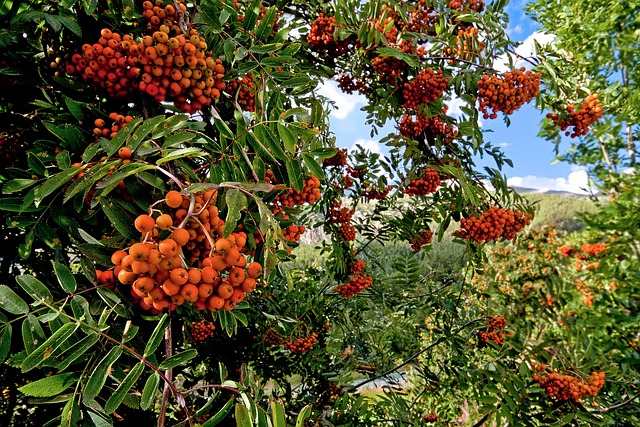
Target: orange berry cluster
[(590, 112), (421, 19), (427, 86), (342, 216), (384, 21), (467, 45), (358, 283), (493, 224), (358, 266), (154, 266), (243, 90), (158, 14), (431, 128), (388, 68), (272, 337), (493, 331), (475, 5), (567, 387), (372, 193), (338, 159), (201, 331), (108, 64), (101, 128), (428, 184), (301, 345), (424, 238), (507, 92), (566, 250), (593, 248), (293, 232), (321, 37), (309, 194)]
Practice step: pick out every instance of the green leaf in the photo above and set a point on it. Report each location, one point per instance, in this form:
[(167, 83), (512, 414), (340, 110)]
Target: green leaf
[(168, 156), (288, 138), (142, 131), (5, 341), (278, 61), (15, 185), (265, 48), (74, 107), (55, 182), (149, 391), (265, 28), (243, 419), (77, 350), (50, 386), (277, 414), (65, 278), (236, 203), (120, 220), (251, 15), (71, 136), (16, 204), (34, 287), (313, 166), (99, 376), (11, 302), (32, 334), (220, 415), (177, 139), (114, 180), (70, 414), (294, 172), (129, 381), (43, 352), (178, 359), (121, 137), (303, 415), (156, 336)]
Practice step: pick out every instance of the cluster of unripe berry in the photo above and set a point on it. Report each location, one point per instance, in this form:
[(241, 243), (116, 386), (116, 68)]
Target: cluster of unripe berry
[(475, 5), (590, 112), (567, 387), (243, 92), (427, 86), (493, 331), (342, 216), (431, 128), (424, 238), (309, 194), (101, 128), (358, 283), (200, 331), (160, 278), (507, 92), (301, 345), (166, 64), (493, 224), (338, 159), (321, 37), (428, 184)]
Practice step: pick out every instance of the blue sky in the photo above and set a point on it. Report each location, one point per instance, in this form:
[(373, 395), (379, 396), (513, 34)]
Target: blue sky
[(532, 156)]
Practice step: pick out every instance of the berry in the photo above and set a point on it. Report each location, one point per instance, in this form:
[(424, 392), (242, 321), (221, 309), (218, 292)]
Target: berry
[(358, 283), (590, 112), (507, 92), (427, 86), (493, 224), (428, 184)]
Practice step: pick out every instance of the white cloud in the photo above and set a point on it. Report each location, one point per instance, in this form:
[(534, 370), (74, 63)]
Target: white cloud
[(577, 182), (367, 144), (526, 49), (515, 30), (454, 105), (344, 103)]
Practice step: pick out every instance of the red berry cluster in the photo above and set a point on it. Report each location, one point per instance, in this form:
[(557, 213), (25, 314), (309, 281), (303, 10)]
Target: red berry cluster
[(430, 418), (272, 337), (101, 128), (432, 128), (342, 216), (153, 267), (507, 92), (428, 184), (424, 238), (567, 387), (358, 283), (427, 86), (243, 90), (590, 112), (357, 266), (293, 232), (475, 5), (201, 331), (566, 250), (493, 331), (593, 248), (372, 193), (387, 17), (321, 37), (309, 194), (348, 84), (338, 159), (493, 224), (421, 19), (301, 345)]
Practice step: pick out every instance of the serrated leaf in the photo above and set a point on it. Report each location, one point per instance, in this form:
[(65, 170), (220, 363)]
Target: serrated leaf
[(142, 131), (65, 278), (15, 185), (70, 414), (43, 352), (55, 182), (120, 220), (114, 180), (149, 391), (77, 350), (182, 152), (129, 381), (265, 28), (236, 203), (32, 334), (99, 376), (5, 341), (11, 302), (86, 182), (50, 386), (314, 166), (178, 359), (177, 139), (156, 336), (34, 287)]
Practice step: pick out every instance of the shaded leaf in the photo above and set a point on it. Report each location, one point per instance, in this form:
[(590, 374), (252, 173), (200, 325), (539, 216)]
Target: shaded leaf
[(129, 381), (11, 302)]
